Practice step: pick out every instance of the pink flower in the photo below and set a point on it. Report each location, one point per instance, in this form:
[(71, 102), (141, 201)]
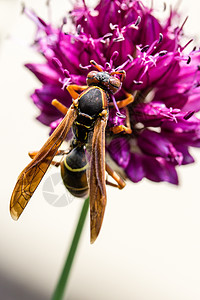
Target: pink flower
[(163, 79)]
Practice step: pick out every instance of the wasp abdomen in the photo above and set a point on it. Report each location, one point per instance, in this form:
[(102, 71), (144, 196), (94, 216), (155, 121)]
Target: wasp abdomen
[(73, 172)]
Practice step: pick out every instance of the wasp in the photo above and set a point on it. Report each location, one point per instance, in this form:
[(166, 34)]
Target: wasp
[(87, 116)]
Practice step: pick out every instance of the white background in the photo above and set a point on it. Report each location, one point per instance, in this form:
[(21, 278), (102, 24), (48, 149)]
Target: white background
[(149, 246)]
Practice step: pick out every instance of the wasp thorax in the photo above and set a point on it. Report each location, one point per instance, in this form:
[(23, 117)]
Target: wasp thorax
[(104, 80)]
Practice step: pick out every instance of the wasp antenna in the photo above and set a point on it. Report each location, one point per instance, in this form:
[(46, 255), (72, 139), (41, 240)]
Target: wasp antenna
[(96, 65)]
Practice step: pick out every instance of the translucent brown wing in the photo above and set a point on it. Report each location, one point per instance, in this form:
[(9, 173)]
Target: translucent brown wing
[(97, 183), (31, 176)]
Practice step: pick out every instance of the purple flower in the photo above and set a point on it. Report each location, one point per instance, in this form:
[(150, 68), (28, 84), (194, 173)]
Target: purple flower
[(164, 80)]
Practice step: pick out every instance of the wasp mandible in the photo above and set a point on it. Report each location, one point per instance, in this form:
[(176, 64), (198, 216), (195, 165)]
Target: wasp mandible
[(87, 116)]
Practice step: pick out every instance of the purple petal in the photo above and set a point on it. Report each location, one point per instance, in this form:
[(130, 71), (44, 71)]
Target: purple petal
[(154, 144), (121, 43), (193, 100), (108, 12), (46, 118), (158, 169), (173, 96), (166, 69), (114, 119), (184, 132), (187, 157), (119, 150), (44, 73), (164, 80), (151, 70), (151, 29), (154, 114), (49, 92), (135, 169)]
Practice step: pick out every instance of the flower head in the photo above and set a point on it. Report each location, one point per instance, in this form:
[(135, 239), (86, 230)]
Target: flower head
[(162, 77)]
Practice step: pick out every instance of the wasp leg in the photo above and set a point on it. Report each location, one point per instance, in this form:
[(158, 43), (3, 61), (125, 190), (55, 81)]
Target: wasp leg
[(122, 72), (73, 89), (120, 182), (96, 65), (122, 128), (62, 108), (123, 103), (111, 184), (32, 154)]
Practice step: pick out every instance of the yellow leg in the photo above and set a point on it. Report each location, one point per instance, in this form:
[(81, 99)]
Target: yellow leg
[(121, 129), (73, 89), (120, 182), (32, 154), (62, 108)]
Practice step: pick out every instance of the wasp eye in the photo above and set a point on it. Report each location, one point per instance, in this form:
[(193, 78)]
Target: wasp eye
[(92, 74), (91, 77), (115, 82)]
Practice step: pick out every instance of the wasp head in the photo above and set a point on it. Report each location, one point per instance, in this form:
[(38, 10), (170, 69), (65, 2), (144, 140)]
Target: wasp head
[(106, 80)]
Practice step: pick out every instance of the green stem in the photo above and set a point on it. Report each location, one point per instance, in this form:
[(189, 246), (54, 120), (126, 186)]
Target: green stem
[(62, 282)]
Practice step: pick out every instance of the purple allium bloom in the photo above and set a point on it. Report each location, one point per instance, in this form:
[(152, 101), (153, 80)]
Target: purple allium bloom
[(163, 78)]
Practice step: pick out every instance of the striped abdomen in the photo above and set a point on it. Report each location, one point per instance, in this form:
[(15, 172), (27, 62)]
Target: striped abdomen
[(73, 172)]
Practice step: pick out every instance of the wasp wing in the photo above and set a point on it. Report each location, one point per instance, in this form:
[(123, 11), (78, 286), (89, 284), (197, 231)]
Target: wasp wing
[(31, 176), (97, 182)]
